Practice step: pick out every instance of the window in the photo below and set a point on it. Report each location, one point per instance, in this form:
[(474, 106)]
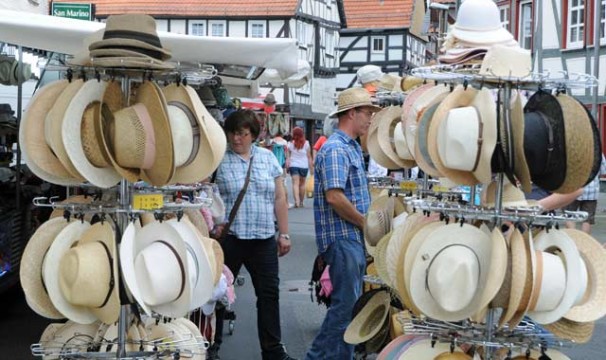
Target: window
[(197, 28), (603, 20), (378, 44), (525, 32), (576, 19), (217, 29), (504, 12), (301, 33), (330, 42), (257, 30)]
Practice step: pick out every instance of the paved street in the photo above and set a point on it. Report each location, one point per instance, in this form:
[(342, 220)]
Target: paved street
[(19, 326)]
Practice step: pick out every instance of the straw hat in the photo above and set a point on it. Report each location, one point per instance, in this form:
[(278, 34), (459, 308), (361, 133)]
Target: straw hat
[(390, 351), (388, 119), (197, 220), (369, 320), (216, 264), (200, 273), (190, 330), (401, 146), (479, 29), (576, 331), (390, 82), (352, 98), (409, 118), (219, 259), (209, 139), (136, 32), (51, 269), (511, 197), (127, 244), (82, 142), (378, 219), (553, 240), (53, 125), (35, 151), (529, 287), (88, 273), (72, 336), (593, 302), (110, 339), (423, 349), (506, 61), (450, 271), (30, 272), (520, 170), (395, 246), (379, 256)]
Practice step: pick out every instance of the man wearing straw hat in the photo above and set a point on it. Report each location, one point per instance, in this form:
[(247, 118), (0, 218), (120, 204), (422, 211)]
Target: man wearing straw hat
[(341, 199)]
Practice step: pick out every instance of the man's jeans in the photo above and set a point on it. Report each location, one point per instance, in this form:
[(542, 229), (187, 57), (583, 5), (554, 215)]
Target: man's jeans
[(347, 264), (261, 260)]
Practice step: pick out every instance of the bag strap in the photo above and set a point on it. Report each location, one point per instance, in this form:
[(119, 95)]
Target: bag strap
[(234, 210)]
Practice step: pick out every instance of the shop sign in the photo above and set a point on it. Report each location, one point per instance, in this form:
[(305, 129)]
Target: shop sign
[(73, 11)]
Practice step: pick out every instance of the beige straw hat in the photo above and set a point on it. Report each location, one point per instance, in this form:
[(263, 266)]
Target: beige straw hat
[(219, 259), (576, 331), (409, 118), (369, 320), (520, 170), (519, 276), (30, 272), (35, 150), (387, 120), (425, 108), (353, 98)]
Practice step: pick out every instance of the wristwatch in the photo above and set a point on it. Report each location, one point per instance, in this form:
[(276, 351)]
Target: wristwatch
[(285, 236)]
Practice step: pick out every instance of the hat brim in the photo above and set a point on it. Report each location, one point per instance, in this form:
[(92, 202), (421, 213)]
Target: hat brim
[(372, 107), (409, 117), (113, 43), (127, 265), (520, 165), (498, 35), (369, 320), (387, 120)]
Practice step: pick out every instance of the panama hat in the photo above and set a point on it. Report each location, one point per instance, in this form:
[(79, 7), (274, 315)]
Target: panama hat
[(567, 329), (209, 139), (529, 288), (35, 150), (450, 271), (161, 271), (80, 139), (511, 196), (88, 273), (373, 147), (200, 274), (30, 272), (352, 98), (409, 119), (70, 336), (196, 345), (593, 304), (462, 136), (219, 259), (379, 257), (392, 252), (127, 250), (135, 32), (71, 234), (369, 320), (506, 61), (378, 218), (110, 339), (483, 29), (401, 146), (53, 125), (557, 239), (388, 119), (391, 83)]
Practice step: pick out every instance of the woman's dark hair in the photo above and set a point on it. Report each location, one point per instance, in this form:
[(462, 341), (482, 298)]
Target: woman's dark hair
[(243, 119)]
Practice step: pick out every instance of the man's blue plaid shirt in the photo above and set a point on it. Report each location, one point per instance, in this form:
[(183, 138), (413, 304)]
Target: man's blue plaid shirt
[(339, 165)]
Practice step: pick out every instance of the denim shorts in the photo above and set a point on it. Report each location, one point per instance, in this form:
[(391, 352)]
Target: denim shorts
[(302, 172)]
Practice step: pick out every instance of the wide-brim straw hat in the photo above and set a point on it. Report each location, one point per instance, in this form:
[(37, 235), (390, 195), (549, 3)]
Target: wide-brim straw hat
[(379, 216), (71, 335), (520, 170), (576, 331), (88, 272), (482, 101), (30, 272), (409, 117), (127, 250), (469, 240), (369, 320), (506, 61), (379, 256), (511, 197), (352, 98), (557, 240), (51, 272), (82, 142), (423, 349), (373, 148), (131, 31), (392, 252), (35, 151), (211, 138), (387, 120), (593, 304), (201, 276), (219, 259), (53, 127)]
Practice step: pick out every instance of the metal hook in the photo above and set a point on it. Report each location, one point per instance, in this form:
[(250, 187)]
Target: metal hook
[(70, 75), (179, 215), (465, 84), (97, 75)]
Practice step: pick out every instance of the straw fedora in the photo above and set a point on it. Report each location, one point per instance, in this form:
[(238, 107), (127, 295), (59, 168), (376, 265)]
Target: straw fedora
[(529, 287), (567, 329), (511, 197), (34, 149), (159, 263), (369, 320), (110, 339), (209, 139), (388, 119), (352, 98), (200, 274), (219, 259), (52, 274), (557, 239), (593, 302), (379, 256), (373, 147), (30, 272), (395, 245), (194, 341), (450, 271), (70, 336), (378, 218), (215, 258), (401, 145), (127, 249), (452, 129), (135, 32), (506, 61), (80, 139)]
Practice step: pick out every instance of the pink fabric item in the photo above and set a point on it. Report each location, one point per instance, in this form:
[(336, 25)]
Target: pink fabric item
[(208, 217), (325, 282), (230, 293)]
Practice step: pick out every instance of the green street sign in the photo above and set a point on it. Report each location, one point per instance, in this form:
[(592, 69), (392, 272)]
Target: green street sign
[(73, 11)]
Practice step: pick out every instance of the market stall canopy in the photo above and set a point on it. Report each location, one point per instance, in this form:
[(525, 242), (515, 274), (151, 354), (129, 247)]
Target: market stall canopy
[(297, 80), (72, 37)]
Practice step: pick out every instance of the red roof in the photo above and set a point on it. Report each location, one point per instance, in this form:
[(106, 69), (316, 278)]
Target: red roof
[(380, 14), (189, 8)]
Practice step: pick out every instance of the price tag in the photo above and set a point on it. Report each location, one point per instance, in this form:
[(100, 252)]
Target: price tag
[(408, 185), (439, 188), (148, 201)]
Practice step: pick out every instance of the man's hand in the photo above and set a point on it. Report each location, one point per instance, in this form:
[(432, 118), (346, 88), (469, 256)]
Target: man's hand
[(283, 246)]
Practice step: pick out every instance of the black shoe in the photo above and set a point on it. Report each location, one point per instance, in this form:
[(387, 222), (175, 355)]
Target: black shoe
[(288, 357), (213, 353)]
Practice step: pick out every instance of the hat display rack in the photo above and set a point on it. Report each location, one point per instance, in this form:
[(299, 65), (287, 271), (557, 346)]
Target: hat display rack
[(127, 201), (525, 336)]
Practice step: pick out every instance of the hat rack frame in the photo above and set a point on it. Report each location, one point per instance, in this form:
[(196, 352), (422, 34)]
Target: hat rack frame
[(525, 335), (123, 213)]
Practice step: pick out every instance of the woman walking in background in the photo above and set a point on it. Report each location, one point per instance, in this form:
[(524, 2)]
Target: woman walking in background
[(299, 164)]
